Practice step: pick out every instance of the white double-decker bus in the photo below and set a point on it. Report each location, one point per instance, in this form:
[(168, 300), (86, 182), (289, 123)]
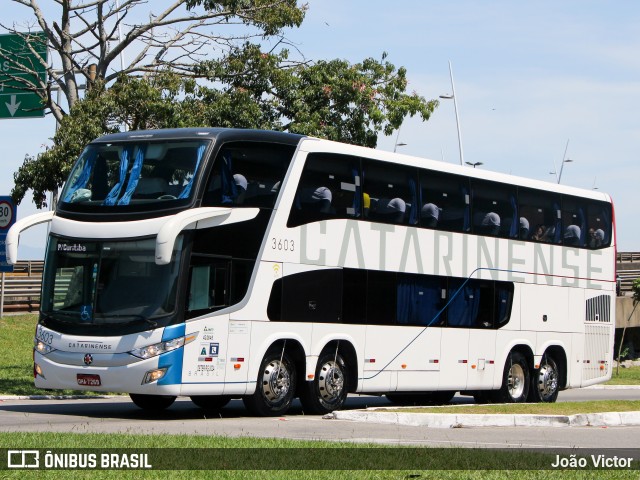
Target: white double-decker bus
[(222, 263)]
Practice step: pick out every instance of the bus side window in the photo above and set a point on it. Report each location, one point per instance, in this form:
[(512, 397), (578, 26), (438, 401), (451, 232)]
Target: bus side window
[(445, 201), (574, 221), (329, 188), (247, 174), (599, 221), (495, 209), (541, 212), (419, 299), (314, 296), (391, 191)]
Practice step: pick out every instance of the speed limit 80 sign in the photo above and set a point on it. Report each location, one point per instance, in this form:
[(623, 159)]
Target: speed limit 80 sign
[(7, 218), (7, 213)]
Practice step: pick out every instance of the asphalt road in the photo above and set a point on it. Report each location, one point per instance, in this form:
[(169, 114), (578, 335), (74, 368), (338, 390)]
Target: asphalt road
[(120, 415)]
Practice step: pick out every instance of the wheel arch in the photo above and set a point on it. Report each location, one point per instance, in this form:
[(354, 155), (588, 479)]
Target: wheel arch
[(559, 355), (293, 347), (348, 353), (522, 347)]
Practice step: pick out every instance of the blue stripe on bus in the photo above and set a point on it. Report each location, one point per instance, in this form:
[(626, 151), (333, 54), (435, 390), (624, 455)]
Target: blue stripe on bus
[(174, 331), (173, 362)]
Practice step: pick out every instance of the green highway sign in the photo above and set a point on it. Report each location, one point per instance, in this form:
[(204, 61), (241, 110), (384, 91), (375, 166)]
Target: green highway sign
[(18, 59)]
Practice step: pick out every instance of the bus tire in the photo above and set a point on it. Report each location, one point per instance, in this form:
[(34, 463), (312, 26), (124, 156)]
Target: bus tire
[(545, 382), (154, 403), (515, 380), (211, 403), (328, 390), (275, 385)]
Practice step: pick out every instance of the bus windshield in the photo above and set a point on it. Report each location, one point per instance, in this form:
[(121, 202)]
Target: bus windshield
[(109, 283), (134, 175)]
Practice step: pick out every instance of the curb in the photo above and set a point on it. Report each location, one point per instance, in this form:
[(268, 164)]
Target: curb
[(468, 420), (54, 397)]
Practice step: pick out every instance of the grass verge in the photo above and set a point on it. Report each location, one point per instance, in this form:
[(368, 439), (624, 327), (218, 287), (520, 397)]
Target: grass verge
[(292, 459), (625, 376)]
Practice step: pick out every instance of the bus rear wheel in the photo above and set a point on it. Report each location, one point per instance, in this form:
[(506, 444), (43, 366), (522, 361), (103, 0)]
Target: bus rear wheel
[(210, 402), (154, 403), (545, 382), (328, 390), (515, 380), (275, 385)]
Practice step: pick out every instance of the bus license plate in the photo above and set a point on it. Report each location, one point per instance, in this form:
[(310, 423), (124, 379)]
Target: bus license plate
[(89, 380)]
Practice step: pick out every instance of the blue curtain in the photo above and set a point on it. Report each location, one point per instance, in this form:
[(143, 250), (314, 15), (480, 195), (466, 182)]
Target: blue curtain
[(463, 304), (582, 218), (134, 176), (229, 189), (415, 203), (418, 300), (124, 167), (82, 179), (514, 231), (187, 189)]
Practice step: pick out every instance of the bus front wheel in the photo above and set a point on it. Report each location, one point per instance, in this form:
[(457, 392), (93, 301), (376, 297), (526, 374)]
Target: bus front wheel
[(328, 390), (152, 402), (275, 386), (515, 380)]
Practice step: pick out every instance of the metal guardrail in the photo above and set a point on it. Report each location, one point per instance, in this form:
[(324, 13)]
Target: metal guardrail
[(21, 293), (628, 257), (626, 279)]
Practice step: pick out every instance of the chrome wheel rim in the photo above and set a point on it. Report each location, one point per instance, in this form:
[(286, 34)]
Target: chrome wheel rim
[(547, 380), (516, 381), (330, 381), (276, 381)]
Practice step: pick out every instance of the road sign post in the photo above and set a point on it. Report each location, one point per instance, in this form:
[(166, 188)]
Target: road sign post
[(8, 211), (20, 59)]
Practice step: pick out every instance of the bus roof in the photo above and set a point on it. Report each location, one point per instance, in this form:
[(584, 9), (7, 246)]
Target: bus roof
[(204, 132), (311, 144)]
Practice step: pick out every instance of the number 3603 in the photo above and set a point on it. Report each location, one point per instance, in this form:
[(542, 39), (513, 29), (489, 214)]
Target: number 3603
[(282, 244)]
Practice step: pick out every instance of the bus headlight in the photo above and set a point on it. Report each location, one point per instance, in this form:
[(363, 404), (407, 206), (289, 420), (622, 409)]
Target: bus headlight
[(41, 347), (163, 347)]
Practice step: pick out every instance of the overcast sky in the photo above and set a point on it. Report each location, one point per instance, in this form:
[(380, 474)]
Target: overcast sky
[(529, 76)]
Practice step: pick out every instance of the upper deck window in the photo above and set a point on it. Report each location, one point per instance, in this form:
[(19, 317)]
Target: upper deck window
[(134, 176), (247, 174)]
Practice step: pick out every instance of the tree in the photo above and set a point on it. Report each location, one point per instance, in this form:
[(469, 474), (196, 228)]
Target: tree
[(327, 99), (86, 38)]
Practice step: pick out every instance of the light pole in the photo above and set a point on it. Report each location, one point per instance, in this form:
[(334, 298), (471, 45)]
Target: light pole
[(474, 165), (568, 160), (455, 107), (564, 160), (401, 144)]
